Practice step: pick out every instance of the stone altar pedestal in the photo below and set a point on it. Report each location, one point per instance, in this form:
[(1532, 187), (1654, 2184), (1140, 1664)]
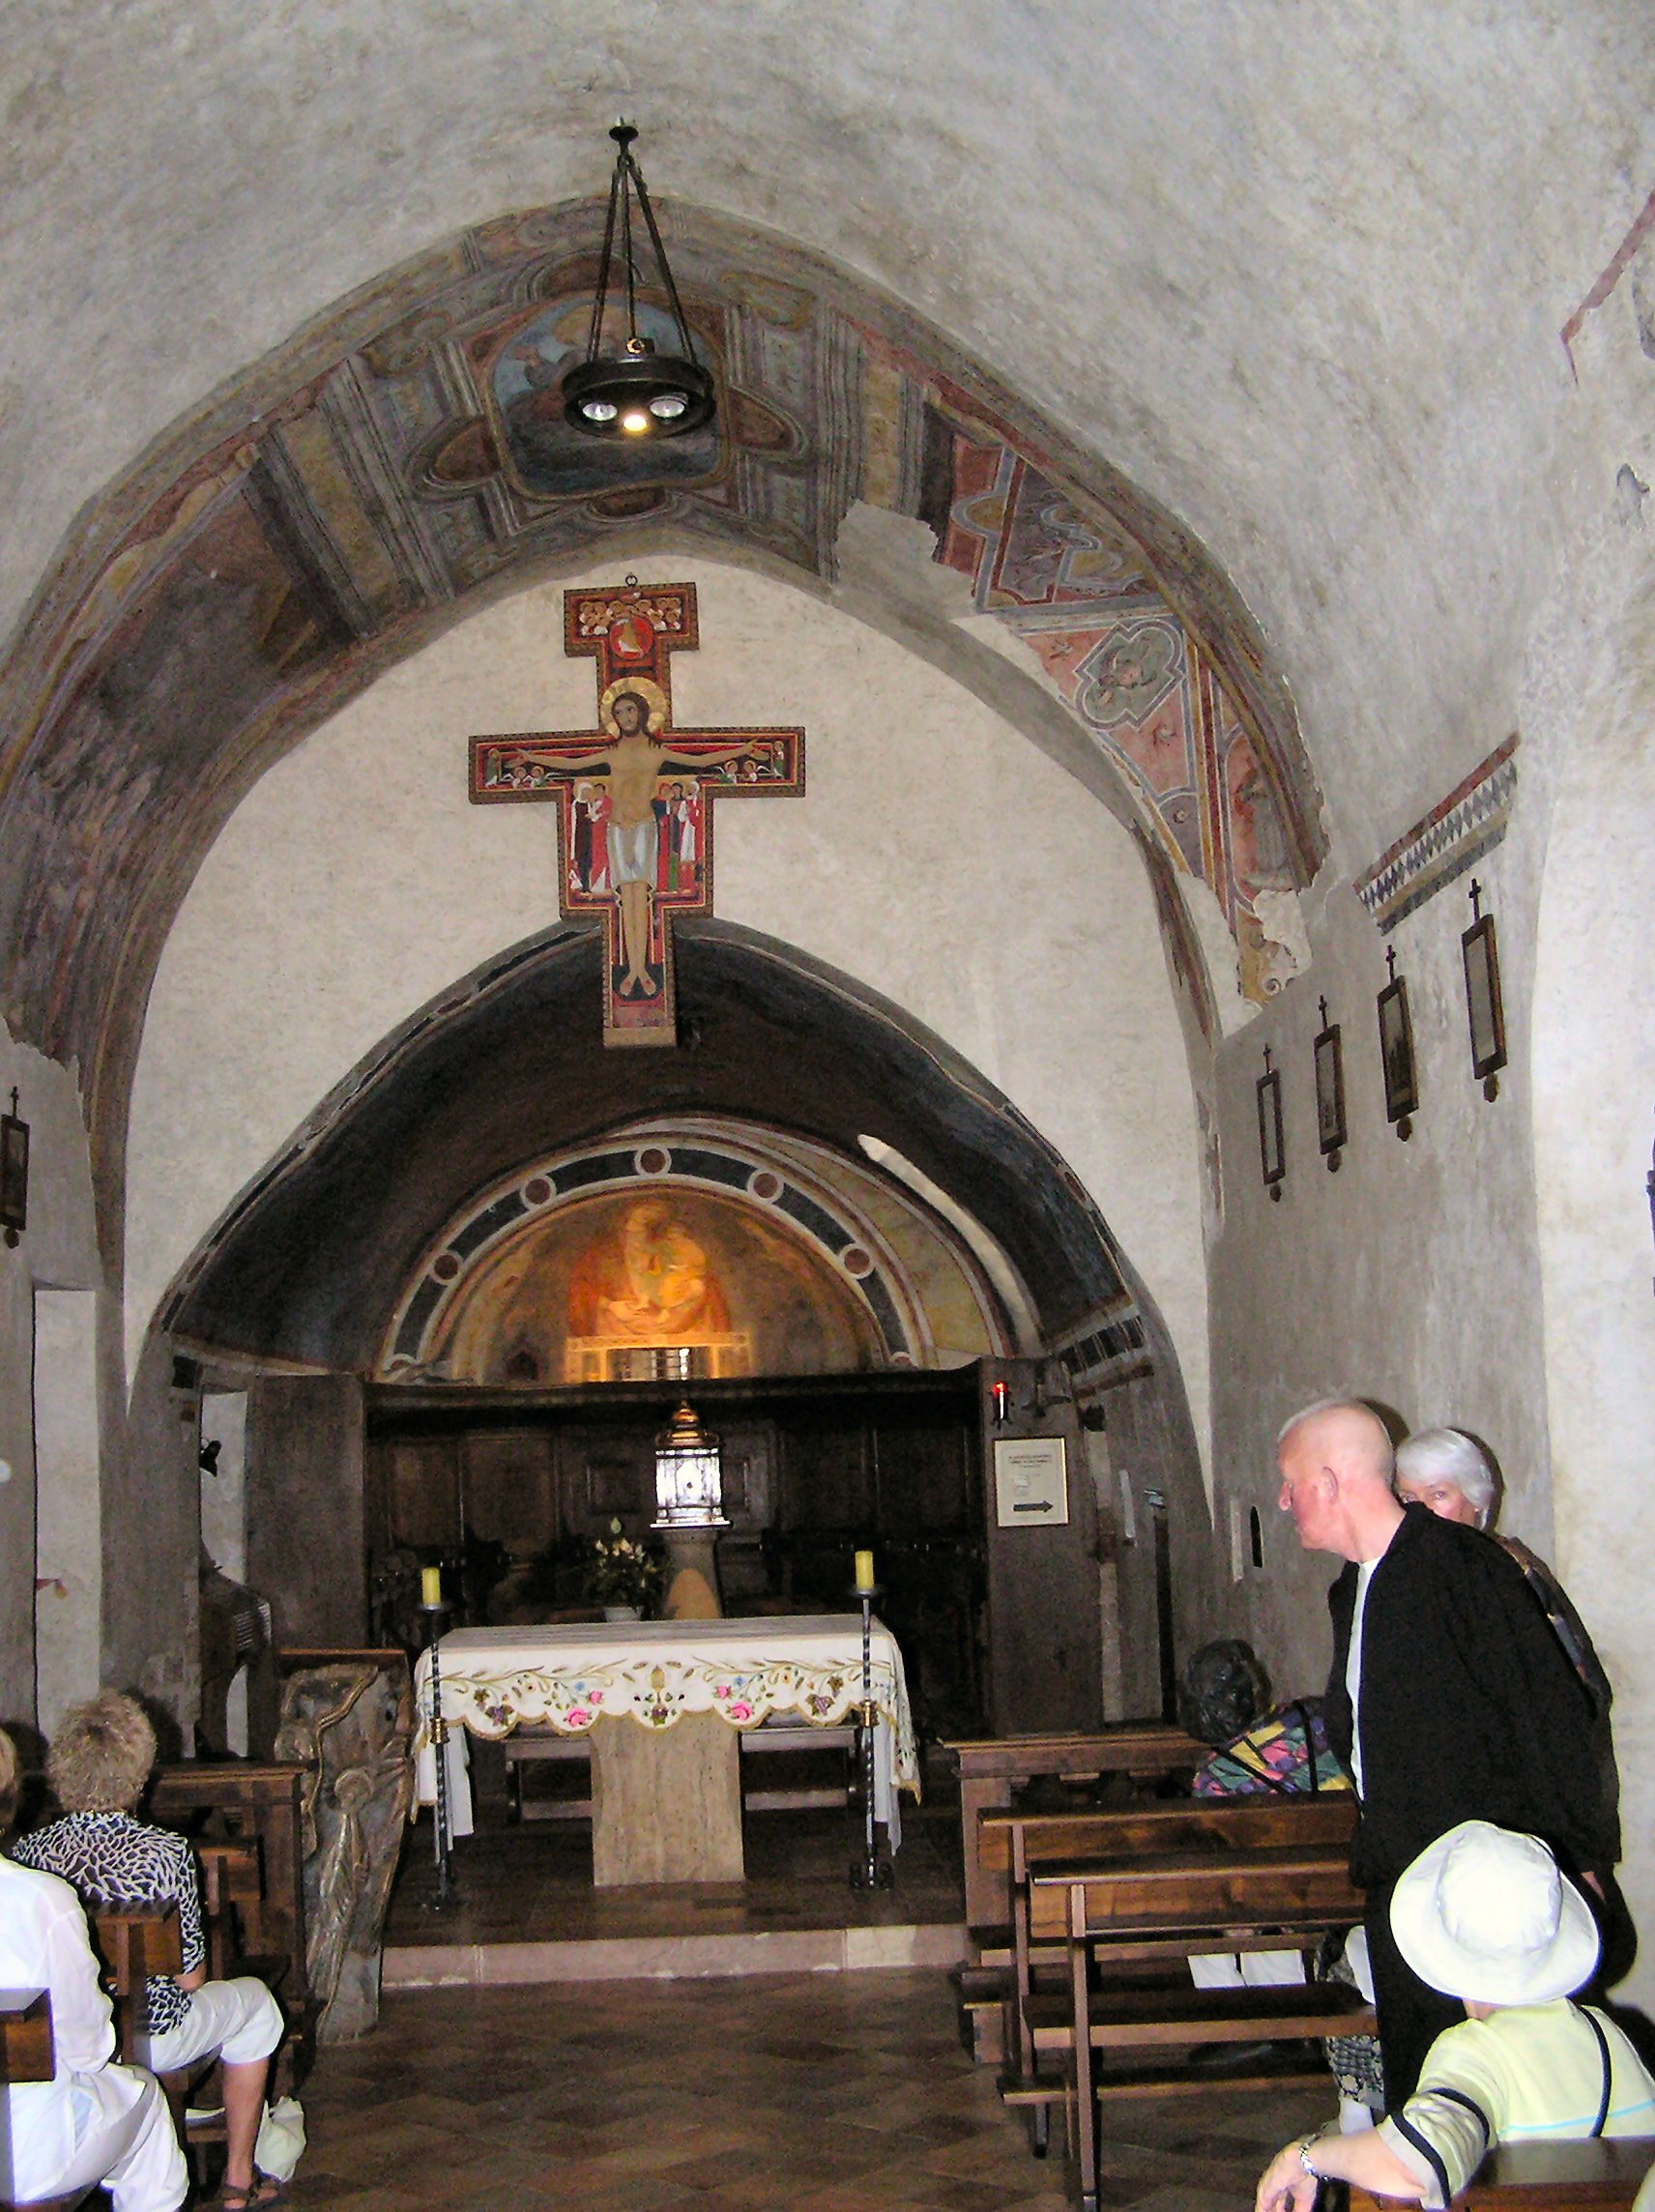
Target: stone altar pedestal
[(666, 1803), (693, 1575)]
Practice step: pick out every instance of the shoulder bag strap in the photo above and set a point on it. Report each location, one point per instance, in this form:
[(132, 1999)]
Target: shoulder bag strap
[(1304, 1722), (1591, 2021)]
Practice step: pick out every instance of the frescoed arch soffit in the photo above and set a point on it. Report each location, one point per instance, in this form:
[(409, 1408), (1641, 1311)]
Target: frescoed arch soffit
[(268, 559), (664, 1165)]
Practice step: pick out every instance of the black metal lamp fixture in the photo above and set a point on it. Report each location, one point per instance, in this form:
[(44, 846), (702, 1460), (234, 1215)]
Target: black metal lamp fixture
[(637, 393)]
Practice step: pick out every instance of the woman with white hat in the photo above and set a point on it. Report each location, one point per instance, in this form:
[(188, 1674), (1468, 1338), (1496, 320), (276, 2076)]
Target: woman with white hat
[(1485, 1916)]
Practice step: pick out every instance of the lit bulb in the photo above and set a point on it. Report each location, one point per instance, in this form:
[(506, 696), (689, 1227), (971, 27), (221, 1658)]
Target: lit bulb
[(599, 410), (669, 406), (635, 421)]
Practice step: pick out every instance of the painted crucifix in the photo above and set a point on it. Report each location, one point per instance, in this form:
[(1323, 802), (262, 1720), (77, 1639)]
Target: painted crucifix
[(635, 796)]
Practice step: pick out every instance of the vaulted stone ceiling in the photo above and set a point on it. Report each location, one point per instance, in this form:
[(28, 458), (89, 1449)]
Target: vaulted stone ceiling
[(1280, 310), (237, 587)]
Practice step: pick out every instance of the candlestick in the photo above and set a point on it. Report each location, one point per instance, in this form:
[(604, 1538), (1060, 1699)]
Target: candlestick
[(430, 1585), (864, 1570)]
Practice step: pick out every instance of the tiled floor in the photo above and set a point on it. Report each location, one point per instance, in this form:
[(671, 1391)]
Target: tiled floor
[(822, 2093)]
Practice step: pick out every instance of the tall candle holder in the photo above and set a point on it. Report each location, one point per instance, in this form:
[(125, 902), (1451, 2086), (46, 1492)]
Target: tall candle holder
[(870, 1871), (447, 1892)]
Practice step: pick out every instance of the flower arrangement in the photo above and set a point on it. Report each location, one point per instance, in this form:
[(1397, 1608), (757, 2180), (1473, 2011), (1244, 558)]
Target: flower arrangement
[(622, 1570)]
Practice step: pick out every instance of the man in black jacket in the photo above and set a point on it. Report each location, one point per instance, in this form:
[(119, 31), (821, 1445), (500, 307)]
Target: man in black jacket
[(1449, 1697)]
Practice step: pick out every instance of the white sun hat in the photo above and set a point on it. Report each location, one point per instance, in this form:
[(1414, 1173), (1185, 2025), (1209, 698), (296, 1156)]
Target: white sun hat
[(1485, 1914)]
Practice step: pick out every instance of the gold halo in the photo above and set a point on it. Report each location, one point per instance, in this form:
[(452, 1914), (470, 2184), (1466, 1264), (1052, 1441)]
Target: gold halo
[(648, 690)]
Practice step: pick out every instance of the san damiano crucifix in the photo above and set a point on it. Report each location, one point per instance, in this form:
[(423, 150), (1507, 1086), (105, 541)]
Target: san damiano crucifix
[(635, 796)]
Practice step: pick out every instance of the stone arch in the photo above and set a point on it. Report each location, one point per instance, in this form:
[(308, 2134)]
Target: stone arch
[(796, 1192), (309, 528), (330, 1258)]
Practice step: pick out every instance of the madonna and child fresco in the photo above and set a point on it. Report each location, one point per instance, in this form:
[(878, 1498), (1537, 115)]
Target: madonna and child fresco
[(587, 1294)]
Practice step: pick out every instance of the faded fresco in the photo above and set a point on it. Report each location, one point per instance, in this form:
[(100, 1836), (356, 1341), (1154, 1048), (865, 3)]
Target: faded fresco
[(1082, 599), (265, 561), (582, 1291)]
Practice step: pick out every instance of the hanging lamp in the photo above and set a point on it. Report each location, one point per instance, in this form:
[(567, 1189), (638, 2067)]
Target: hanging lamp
[(636, 392)]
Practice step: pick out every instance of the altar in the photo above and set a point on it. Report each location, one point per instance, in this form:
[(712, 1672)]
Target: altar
[(666, 1789)]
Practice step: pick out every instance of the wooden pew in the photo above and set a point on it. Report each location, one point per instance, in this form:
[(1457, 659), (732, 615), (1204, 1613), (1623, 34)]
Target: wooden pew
[(992, 1771), (257, 1806), (1602, 2177), (135, 1941), (26, 2049), (1183, 1902), (1010, 1844), (232, 1907), (27, 2055)]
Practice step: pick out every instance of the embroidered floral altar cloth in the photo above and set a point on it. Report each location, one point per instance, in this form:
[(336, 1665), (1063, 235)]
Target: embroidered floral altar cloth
[(806, 1667)]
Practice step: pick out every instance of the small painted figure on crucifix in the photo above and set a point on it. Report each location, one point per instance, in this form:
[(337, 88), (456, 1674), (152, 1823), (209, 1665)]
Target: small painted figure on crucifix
[(635, 796)]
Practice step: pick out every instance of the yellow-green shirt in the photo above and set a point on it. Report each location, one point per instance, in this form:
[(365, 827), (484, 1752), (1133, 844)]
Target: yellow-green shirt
[(1525, 2070)]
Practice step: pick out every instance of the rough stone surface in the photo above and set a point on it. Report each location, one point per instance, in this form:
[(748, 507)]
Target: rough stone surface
[(666, 1803)]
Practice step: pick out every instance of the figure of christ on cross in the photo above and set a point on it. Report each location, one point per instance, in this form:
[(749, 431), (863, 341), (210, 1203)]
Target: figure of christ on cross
[(645, 793), (635, 768)]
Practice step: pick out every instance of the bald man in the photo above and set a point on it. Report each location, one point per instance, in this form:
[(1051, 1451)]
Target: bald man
[(1449, 1697)]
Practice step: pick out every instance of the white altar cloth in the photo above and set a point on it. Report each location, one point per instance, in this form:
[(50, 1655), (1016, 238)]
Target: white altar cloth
[(570, 1676)]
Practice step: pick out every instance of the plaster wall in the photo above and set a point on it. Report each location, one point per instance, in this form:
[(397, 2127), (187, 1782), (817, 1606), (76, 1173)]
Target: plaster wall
[(17, 1499), (152, 1536), (1408, 1276), (937, 857), (68, 1544), (57, 1250), (1594, 1089)]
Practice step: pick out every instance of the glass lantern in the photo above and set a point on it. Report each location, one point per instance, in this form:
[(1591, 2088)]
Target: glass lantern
[(689, 1474)]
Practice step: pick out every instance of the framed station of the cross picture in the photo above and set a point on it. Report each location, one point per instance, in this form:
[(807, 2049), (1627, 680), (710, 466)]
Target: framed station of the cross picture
[(1331, 1133), (1479, 949), (1396, 1057)]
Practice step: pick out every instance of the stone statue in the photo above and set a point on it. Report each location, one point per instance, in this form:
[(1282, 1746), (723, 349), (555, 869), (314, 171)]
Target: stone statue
[(349, 1721)]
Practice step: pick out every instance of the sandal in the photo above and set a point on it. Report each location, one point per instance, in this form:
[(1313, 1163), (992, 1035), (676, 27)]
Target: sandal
[(263, 2192)]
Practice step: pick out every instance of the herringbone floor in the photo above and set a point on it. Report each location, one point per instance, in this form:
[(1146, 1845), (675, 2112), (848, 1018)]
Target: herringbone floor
[(822, 2093)]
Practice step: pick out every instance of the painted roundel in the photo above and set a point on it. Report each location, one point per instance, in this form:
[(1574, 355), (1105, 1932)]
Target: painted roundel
[(536, 1191), (766, 1186), (653, 1160), (856, 1262), (444, 1267)]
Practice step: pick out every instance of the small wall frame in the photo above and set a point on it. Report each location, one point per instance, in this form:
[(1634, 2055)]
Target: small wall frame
[(1328, 1055), (14, 1175), (1396, 1057), (1272, 1148), (1479, 949)]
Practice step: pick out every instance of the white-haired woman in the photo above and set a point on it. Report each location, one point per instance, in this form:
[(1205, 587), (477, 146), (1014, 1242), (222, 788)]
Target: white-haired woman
[(1448, 1472), (99, 1766)]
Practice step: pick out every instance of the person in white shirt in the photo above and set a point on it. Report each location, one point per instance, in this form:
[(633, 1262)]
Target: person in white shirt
[(99, 1765), (94, 2122)]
